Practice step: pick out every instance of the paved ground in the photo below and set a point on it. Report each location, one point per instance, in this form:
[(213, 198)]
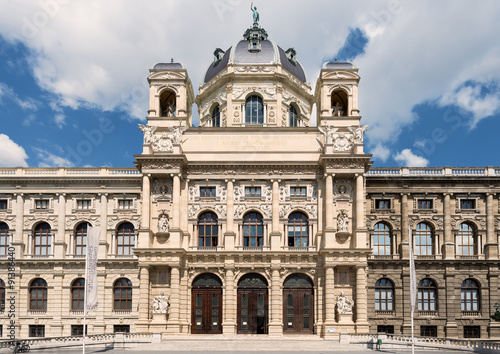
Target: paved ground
[(94, 351)]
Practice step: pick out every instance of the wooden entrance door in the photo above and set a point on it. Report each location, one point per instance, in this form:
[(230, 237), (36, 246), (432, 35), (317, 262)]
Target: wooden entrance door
[(206, 311), (252, 311), (298, 310)]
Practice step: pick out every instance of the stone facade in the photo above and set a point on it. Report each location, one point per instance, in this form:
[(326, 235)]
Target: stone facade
[(253, 222)]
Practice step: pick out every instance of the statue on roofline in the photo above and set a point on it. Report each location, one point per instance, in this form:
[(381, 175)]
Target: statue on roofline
[(255, 14)]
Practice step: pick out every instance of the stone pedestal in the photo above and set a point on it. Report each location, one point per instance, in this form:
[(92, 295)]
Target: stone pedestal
[(494, 330), (344, 318), (159, 318), (491, 251), (275, 241), (449, 250), (451, 330)]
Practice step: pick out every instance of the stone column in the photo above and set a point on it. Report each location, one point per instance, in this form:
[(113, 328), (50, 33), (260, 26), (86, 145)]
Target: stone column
[(229, 324), (362, 325), (146, 201), (276, 324), (404, 251), (329, 201), (61, 226), (491, 247), (17, 241), (142, 324), (329, 299), (173, 320), (276, 234), (104, 226), (230, 235), (175, 201), (448, 245), (360, 240)]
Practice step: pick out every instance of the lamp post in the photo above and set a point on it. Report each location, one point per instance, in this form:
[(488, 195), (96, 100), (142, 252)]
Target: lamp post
[(496, 315)]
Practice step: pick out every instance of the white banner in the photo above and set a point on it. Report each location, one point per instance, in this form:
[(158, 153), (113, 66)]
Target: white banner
[(91, 268), (413, 277)]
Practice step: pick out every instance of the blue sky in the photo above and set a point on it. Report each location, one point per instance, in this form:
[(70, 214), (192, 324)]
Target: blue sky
[(73, 74)]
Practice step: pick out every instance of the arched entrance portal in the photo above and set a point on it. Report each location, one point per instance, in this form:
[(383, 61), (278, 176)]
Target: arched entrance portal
[(298, 304), (206, 305), (252, 304)]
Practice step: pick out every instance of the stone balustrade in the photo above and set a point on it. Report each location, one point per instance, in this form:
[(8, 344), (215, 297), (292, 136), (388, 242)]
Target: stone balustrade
[(435, 171), (69, 172)]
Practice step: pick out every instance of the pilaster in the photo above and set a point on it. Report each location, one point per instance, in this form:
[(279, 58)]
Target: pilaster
[(275, 236), (448, 246), (362, 325), (142, 324), (59, 244), (329, 301), (173, 323), (276, 324), (229, 324), (230, 235), (404, 250), (491, 247)]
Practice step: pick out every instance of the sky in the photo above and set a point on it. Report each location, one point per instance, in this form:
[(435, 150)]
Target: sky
[(73, 72)]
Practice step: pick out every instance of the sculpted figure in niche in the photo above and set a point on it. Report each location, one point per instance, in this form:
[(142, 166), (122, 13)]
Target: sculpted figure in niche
[(169, 110), (343, 221), (337, 110), (163, 223), (148, 131), (160, 304), (344, 304)]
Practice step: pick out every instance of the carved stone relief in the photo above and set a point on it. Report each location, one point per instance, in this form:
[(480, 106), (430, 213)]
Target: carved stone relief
[(343, 189)]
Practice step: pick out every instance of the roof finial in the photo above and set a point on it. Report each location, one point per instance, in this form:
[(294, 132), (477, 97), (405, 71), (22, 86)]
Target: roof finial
[(335, 59), (255, 14), (172, 60)]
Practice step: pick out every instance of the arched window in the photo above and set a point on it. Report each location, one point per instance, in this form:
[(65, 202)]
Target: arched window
[(253, 230), (381, 240), (216, 116), (384, 295), (125, 239), (470, 295), (465, 240), (42, 240), (168, 103), (208, 230), (423, 240), (80, 239), (254, 110), (77, 294), (38, 295), (427, 295), (339, 104), (4, 239), (2, 296), (122, 295), (293, 120), (298, 226)]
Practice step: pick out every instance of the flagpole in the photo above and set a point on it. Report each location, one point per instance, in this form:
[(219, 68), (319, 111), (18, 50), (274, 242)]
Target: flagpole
[(412, 287)]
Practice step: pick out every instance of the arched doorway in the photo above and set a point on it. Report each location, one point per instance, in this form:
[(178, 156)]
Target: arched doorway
[(298, 304), (252, 304), (206, 305)]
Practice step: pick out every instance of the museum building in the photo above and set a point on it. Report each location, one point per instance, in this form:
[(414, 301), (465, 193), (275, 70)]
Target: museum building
[(254, 222)]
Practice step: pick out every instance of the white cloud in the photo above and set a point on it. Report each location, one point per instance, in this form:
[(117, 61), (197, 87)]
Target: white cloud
[(23, 103), (11, 154), (381, 152), (95, 53), (48, 159), (471, 100), (60, 120), (408, 158)]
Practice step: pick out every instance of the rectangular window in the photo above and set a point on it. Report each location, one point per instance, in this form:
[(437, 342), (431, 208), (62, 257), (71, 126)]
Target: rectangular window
[(3, 204), (472, 331), (125, 204), (41, 204), (428, 331), (297, 192), (121, 329), (208, 192), (384, 204), (83, 204), (467, 204), (424, 204), (252, 192), (1, 331), (385, 329), (36, 330), (77, 330)]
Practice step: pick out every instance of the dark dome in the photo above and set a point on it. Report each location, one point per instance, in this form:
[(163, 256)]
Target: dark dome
[(166, 66), (268, 53)]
